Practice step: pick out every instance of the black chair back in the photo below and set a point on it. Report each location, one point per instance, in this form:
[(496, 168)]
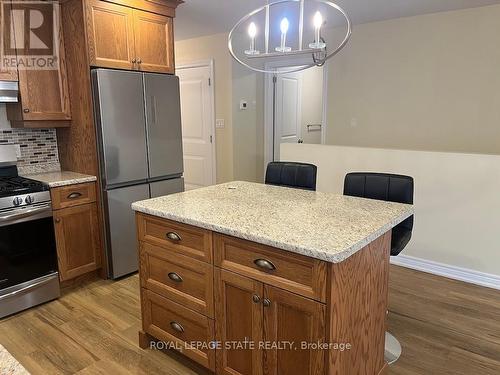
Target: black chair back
[(385, 187), (295, 175)]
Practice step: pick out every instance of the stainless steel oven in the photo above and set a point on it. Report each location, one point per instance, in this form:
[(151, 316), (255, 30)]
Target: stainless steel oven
[(28, 260)]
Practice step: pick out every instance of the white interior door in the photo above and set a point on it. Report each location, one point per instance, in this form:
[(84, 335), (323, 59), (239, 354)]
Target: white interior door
[(288, 102), (197, 125)]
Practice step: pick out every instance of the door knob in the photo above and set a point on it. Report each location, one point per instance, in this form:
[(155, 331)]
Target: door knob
[(134, 61), (256, 298), (26, 110), (266, 302), (139, 61)]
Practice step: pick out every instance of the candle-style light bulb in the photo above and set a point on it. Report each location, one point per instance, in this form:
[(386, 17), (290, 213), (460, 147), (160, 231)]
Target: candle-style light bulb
[(318, 22), (252, 33), (284, 25)]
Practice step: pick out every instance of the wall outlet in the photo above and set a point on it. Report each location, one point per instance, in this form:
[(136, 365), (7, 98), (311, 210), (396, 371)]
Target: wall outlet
[(219, 124), (18, 151)]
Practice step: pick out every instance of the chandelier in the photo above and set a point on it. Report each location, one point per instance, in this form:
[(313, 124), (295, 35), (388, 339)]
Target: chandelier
[(317, 50)]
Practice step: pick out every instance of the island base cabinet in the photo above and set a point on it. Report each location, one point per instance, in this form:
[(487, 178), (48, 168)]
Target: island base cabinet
[(238, 311), (185, 330), (78, 240), (294, 326), (262, 329)]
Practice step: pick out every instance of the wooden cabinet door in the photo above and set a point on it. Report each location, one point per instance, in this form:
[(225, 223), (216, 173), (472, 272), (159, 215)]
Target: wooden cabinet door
[(6, 74), (77, 238), (291, 318), (44, 93), (238, 320), (154, 42), (110, 34)]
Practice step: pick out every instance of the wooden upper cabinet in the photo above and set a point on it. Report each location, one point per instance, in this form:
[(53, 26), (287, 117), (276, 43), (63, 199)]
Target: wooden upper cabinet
[(154, 48), (44, 93), (125, 38), (292, 318), (110, 33)]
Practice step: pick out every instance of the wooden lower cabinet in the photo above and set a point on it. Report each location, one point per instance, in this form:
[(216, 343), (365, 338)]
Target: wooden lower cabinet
[(78, 240), (290, 318), (238, 318), (271, 324)]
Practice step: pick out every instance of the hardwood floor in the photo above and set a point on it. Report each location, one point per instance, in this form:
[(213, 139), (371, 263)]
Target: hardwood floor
[(445, 327)]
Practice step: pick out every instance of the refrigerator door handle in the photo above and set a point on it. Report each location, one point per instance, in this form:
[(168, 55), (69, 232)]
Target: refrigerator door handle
[(153, 109)]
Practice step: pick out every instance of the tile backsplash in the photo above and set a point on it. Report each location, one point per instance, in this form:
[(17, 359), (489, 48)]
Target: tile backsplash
[(38, 147)]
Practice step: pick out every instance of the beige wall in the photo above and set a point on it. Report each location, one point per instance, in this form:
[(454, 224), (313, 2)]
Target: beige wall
[(429, 82), (215, 47), (312, 103), (457, 198)]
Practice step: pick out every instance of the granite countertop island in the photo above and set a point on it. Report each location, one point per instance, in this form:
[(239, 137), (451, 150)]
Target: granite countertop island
[(324, 226), (61, 178)]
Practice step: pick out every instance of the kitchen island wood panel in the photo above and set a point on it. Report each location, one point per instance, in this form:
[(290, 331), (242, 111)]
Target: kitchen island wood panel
[(283, 311)]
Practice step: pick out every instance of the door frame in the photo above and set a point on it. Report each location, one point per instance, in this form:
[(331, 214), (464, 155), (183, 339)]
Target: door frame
[(269, 105), (210, 64)]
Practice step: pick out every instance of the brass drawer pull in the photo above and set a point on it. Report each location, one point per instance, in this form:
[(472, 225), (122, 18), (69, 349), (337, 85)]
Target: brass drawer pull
[(256, 298), (265, 264), (175, 277), (172, 236), (266, 302), (177, 327), (74, 195)]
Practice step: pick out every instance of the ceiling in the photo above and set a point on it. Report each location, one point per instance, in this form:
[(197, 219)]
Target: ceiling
[(205, 17)]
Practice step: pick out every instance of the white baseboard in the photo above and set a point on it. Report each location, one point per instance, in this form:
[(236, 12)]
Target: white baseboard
[(451, 272)]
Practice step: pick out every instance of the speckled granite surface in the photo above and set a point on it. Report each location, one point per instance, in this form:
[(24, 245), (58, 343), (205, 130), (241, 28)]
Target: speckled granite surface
[(9, 365), (61, 178), (38, 168), (325, 226)]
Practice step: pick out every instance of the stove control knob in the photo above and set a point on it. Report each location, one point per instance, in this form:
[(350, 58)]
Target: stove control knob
[(17, 201), (29, 199)]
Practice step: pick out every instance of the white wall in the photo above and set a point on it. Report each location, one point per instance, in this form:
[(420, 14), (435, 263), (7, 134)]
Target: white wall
[(457, 197)]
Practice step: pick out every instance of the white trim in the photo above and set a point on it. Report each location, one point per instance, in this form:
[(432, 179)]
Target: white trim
[(446, 270), (210, 64), (268, 110)]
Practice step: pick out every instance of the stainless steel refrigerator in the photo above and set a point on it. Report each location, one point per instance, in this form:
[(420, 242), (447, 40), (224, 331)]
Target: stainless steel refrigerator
[(140, 151)]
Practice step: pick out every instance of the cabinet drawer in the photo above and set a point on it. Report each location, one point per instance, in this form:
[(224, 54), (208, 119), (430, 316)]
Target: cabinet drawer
[(182, 279), (176, 237), (286, 270), (171, 322), (73, 195)]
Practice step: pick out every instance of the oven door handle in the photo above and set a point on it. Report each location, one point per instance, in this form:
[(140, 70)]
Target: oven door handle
[(32, 213), (27, 288)]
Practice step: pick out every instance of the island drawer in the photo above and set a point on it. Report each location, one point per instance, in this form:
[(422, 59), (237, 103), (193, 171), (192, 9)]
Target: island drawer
[(176, 237), (286, 270), (73, 195), (190, 332), (182, 279)]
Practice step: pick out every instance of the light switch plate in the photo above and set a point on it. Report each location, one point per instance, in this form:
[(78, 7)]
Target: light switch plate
[(18, 151), (219, 124)]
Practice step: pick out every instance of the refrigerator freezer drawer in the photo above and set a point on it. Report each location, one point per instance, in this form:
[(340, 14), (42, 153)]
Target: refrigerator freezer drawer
[(161, 188), (122, 238)]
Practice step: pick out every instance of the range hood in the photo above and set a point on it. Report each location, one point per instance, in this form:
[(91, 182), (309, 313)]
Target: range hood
[(9, 91)]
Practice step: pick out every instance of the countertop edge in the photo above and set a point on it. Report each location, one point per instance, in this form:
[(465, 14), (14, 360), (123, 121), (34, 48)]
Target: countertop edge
[(74, 181), (312, 253)]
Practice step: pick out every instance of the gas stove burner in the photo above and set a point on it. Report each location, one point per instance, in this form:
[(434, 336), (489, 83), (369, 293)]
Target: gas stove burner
[(19, 185)]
